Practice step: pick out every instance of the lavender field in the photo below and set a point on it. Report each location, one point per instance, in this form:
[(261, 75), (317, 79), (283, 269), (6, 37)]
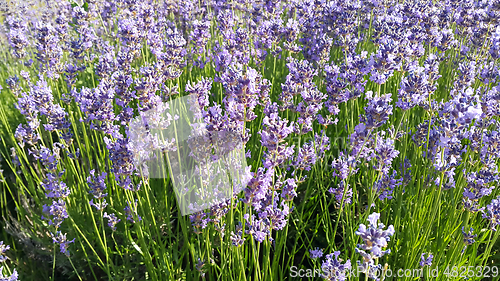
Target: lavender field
[(249, 140)]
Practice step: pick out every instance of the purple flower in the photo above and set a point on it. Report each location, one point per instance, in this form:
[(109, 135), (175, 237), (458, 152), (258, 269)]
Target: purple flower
[(467, 70), (199, 220), (199, 266), (200, 93), (274, 216), (108, 64), (385, 186), (416, 88), (122, 83), (468, 236), (384, 153), (174, 55), (18, 28), (221, 58), (13, 84), (405, 171), (26, 135), (121, 156), (49, 51), (49, 158), (316, 253), (25, 75), (58, 212), (291, 33), (374, 240), (97, 184), (377, 111), (495, 44), (130, 213), (333, 269), (311, 152), (344, 166), (3, 248), (492, 213), (100, 205), (336, 88), (130, 33), (146, 87), (426, 261), (39, 99), (57, 120), (306, 157), (257, 228), (12, 277), (112, 220), (342, 194), (273, 133), (308, 108), (125, 182), (275, 129), (385, 60), (288, 192), (97, 104), (60, 239), (237, 238), (361, 143), (257, 187), (243, 87), (478, 186), (299, 79), (200, 35), (54, 188)]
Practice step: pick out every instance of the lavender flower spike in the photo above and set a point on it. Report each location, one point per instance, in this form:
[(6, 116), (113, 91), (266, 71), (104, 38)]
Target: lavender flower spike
[(375, 240), (492, 213), (60, 239), (3, 248), (316, 253), (426, 261), (333, 269)]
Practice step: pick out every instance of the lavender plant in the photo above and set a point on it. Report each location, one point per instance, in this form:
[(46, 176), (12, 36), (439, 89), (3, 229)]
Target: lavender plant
[(304, 119)]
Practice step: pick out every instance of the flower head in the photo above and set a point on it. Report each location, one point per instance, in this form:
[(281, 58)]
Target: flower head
[(60, 239), (375, 240), (316, 253), (333, 269), (492, 213), (426, 261)]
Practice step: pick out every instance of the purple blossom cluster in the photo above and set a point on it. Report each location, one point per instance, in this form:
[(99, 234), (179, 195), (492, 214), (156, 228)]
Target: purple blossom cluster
[(237, 239), (316, 253), (37, 102), (61, 239), (274, 131), (333, 269), (492, 213), (18, 34), (311, 152), (426, 261), (97, 185), (10, 277), (131, 212), (343, 195), (375, 240), (385, 186), (469, 237), (416, 88), (478, 186), (377, 111)]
